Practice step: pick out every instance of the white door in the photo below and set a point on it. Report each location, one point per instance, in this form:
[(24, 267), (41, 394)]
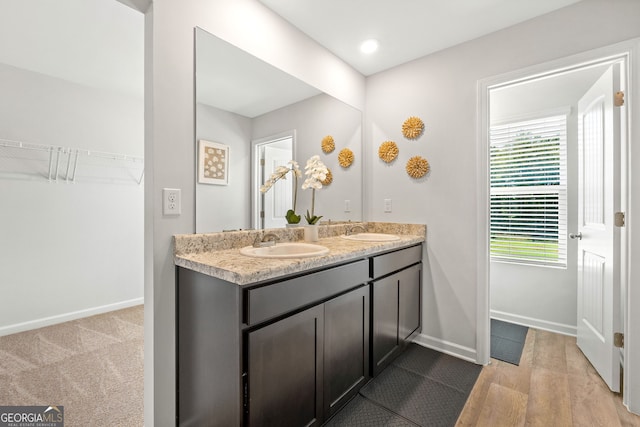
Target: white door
[(279, 198), (599, 239)]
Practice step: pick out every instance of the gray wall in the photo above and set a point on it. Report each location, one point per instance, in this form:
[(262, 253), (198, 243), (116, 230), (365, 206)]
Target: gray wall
[(313, 119), (225, 207), (229, 207), (442, 89), (68, 250)]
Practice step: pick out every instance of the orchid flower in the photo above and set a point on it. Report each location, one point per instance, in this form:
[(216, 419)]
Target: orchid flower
[(316, 172)]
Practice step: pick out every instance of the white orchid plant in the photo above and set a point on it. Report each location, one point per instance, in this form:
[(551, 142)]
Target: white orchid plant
[(281, 173), (316, 172)]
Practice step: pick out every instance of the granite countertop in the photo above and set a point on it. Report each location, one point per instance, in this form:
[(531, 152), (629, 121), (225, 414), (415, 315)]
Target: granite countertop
[(218, 255)]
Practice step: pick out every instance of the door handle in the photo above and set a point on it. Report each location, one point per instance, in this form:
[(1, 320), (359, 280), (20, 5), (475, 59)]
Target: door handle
[(576, 236)]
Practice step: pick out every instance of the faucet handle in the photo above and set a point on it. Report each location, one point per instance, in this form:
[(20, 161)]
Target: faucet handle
[(267, 239), (349, 230)]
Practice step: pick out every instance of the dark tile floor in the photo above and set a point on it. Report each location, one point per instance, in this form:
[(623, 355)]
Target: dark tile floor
[(421, 387)]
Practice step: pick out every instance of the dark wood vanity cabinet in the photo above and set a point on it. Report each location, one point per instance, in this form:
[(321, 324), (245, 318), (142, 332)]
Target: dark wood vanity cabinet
[(305, 367), (285, 371), (396, 304), (285, 353), (385, 321), (346, 348), (291, 352), (409, 302)]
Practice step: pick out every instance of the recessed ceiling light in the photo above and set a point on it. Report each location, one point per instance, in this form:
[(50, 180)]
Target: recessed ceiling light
[(369, 46)]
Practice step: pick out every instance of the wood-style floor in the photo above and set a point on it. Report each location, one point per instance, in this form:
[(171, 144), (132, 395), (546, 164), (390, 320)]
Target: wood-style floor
[(554, 385)]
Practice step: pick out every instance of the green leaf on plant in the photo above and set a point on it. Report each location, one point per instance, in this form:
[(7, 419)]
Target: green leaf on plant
[(312, 219), (292, 218)]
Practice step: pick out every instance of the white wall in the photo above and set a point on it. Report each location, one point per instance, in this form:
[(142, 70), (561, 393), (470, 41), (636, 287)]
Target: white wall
[(169, 144), (225, 207), (442, 90), (313, 119), (68, 250)]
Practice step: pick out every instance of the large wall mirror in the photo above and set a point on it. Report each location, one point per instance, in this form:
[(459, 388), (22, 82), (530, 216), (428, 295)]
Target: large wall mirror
[(246, 109)]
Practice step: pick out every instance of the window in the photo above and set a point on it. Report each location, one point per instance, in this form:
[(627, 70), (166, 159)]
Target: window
[(529, 191)]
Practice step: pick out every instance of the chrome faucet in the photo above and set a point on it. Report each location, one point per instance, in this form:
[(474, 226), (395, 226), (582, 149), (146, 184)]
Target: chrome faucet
[(349, 230), (268, 239)]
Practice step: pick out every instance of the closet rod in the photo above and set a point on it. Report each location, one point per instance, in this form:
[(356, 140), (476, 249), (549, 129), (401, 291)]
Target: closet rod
[(73, 155)]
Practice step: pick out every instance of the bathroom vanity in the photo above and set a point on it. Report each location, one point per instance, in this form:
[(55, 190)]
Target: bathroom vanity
[(288, 342)]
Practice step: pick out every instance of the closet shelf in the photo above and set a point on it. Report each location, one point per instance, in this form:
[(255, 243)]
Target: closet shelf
[(56, 163)]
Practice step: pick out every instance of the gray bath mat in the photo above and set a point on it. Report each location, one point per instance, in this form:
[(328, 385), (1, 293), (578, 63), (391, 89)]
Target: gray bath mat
[(507, 341)]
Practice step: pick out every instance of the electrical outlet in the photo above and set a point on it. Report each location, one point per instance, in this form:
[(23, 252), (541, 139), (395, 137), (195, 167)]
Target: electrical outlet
[(347, 205), (171, 201), (387, 205)]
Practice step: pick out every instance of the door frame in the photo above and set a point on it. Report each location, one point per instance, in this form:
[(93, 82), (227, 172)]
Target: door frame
[(628, 52), (256, 177)]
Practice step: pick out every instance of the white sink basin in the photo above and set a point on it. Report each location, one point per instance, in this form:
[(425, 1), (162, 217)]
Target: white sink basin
[(371, 237), (286, 250)]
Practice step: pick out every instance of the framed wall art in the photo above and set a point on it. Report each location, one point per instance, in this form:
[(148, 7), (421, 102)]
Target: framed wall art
[(213, 163)]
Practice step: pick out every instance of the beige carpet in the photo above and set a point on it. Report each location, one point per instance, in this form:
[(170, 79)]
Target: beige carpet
[(92, 366)]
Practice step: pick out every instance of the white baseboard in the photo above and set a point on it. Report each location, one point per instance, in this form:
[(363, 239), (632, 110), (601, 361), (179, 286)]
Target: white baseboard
[(65, 317), (535, 323), (452, 349)]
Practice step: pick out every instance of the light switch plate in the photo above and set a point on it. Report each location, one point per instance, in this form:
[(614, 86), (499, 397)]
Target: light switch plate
[(387, 205)]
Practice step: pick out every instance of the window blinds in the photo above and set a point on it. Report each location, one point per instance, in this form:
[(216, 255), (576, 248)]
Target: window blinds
[(529, 191)]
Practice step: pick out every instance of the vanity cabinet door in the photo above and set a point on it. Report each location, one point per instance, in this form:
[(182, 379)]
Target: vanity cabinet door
[(346, 347), (396, 314), (285, 371), (409, 301), (385, 321)]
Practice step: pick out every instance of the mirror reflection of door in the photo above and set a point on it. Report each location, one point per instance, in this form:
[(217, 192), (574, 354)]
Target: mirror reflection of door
[(273, 205)]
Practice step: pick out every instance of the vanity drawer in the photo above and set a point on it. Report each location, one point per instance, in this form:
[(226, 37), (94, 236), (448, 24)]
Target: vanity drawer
[(382, 265), (273, 300)]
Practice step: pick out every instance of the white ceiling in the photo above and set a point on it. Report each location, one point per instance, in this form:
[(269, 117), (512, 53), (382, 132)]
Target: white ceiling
[(405, 29), (98, 43)]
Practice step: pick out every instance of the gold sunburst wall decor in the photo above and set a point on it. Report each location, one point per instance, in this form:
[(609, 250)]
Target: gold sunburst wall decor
[(328, 178), (388, 151), (345, 157), (417, 167), (413, 127), (328, 144)]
